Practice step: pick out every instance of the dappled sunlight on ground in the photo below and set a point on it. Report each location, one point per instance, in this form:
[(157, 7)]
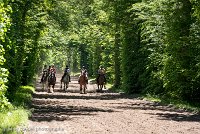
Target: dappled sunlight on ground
[(106, 112)]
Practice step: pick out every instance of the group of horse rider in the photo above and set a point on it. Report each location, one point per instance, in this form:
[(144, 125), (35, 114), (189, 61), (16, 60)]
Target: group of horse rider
[(101, 71), (49, 70)]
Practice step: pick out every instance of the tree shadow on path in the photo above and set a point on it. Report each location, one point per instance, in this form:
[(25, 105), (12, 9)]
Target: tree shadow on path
[(162, 111), (52, 110), (48, 107), (90, 95)]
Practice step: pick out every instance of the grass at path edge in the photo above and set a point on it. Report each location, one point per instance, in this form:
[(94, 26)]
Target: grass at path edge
[(16, 116)]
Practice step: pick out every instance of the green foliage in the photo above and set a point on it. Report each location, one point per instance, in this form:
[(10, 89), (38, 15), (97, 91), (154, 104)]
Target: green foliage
[(86, 36), (4, 25), (180, 104), (149, 46), (12, 119), (3, 79), (151, 18), (23, 96), (132, 61), (169, 37), (21, 42), (18, 56)]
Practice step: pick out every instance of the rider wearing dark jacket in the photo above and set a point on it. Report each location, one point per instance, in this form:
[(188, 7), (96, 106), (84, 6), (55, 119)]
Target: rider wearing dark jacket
[(43, 72), (101, 71), (67, 70)]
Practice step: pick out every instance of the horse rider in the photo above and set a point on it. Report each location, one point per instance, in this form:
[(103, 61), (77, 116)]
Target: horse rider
[(101, 71), (43, 72), (66, 71), (48, 70), (83, 70), (53, 69)]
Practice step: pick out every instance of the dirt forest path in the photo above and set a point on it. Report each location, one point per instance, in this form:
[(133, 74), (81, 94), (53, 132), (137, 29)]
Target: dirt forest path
[(104, 113)]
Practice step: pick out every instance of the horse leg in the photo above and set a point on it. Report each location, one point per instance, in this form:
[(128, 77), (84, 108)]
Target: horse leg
[(60, 84), (65, 85), (42, 86), (48, 88), (97, 87), (52, 88), (46, 85), (80, 88), (85, 88), (101, 87)]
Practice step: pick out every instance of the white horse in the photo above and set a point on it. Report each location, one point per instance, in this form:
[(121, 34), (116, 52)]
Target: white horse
[(65, 80)]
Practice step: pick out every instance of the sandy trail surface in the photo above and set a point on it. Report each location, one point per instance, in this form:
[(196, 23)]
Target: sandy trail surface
[(104, 113)]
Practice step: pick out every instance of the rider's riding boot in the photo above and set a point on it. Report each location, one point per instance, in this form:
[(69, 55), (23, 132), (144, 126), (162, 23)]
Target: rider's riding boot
[(69, 79)]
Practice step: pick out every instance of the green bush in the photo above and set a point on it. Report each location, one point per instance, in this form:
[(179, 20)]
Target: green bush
[(16, 115), (12, 120), (23, 96)]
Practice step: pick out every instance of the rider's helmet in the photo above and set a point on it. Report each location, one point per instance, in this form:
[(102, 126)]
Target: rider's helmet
[(101, 67), (67, 66), (83, 67)]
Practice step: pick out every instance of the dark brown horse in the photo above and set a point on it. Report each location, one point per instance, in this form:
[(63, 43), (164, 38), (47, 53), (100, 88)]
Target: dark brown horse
[(100, 82), (83, 82), (51, 81), (44, 80)]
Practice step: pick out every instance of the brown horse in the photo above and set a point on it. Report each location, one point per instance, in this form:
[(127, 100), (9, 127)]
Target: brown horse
[(51, 81), (100, 82), (83, 82)]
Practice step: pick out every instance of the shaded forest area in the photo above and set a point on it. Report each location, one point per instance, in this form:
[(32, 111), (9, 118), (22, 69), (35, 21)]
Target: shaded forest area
[(146, 46)]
